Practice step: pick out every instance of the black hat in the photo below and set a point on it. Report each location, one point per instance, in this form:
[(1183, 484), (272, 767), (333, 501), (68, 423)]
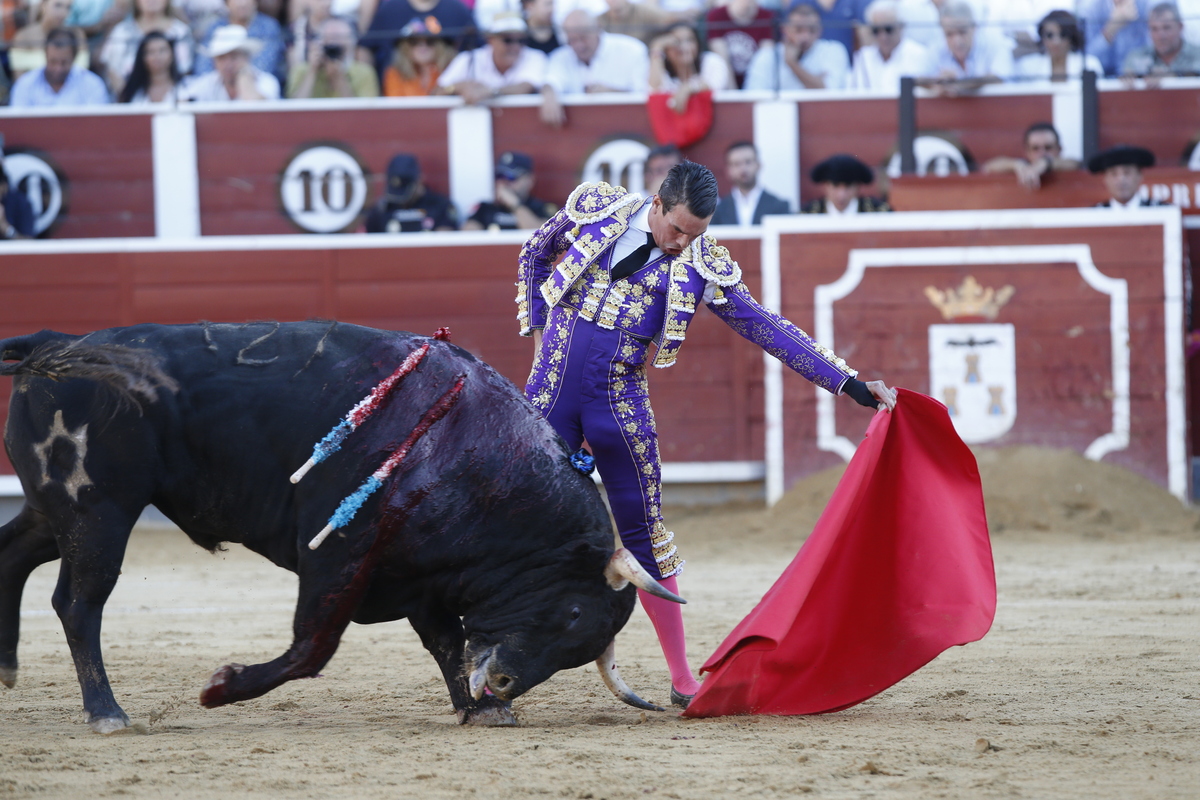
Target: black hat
[(513, 165), (842, 168), (402, 171), (1121, 154)]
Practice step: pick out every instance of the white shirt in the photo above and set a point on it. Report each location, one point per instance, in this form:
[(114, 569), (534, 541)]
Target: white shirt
[(851, 209), (620, 62), (989, 56), (1036, 66), (872, 72), (635, 236), (478, 65), (210, 88), (1134, 202), (746, 203), (173, 97), (769, 71)]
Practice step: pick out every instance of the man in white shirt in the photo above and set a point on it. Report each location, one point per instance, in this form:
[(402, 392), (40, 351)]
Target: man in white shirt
[(748, 202), (1122, 168), (803, 60), (60, 82), (234, 77), (592, 61), (881, 65), (502, 66), (964, 62)]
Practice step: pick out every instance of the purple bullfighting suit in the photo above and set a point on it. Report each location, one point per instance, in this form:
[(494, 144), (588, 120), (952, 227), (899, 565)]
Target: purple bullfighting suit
[(589, 377)]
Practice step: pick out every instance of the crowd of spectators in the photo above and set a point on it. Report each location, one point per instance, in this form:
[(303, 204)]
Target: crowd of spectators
[(479, 49)]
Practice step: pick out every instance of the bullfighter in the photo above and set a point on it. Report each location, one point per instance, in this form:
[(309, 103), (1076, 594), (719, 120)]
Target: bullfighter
[(633, 271)]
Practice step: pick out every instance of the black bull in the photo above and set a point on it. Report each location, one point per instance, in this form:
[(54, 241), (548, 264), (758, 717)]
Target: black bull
[(498, 552)]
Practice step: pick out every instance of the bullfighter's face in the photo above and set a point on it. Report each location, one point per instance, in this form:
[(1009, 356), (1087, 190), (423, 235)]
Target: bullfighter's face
[(675, 229)]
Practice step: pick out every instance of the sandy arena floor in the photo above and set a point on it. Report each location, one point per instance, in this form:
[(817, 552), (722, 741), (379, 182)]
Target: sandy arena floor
[(1088, 685)]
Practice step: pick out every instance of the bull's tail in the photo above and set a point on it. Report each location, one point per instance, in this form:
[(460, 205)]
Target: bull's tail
[(132, 373)]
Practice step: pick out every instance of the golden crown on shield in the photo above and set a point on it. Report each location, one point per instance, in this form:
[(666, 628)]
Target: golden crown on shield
[(969, 300)]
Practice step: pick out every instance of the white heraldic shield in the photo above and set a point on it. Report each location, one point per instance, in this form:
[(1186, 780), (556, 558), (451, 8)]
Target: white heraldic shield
[(973, 370)]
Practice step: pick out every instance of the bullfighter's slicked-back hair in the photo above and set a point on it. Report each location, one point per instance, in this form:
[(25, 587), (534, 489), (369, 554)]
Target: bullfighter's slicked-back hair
[(691, 184)]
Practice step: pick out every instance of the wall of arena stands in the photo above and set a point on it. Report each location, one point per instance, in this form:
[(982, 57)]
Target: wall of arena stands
[(182, 215)]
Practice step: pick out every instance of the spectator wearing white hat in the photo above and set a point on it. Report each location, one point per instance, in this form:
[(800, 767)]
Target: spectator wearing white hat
[(234, 78), (269, 57), (502, 66)]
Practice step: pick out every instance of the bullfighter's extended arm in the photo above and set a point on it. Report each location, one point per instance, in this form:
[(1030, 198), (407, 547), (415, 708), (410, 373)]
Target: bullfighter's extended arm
[(779, 337), (537, 258)]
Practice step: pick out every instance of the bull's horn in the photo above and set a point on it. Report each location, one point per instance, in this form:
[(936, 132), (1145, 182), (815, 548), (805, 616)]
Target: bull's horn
[(607, 664), (479, 676), (623, 569)]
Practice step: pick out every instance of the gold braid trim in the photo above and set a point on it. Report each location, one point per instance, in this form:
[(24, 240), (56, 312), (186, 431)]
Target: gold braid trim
[(592, 202), (713, 262)]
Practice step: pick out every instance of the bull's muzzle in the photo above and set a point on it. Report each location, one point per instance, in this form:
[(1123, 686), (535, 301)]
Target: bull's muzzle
[(485, 677), (623, 569)]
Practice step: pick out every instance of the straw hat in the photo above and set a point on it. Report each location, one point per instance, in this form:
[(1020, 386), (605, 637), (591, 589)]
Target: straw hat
[(229, 38)]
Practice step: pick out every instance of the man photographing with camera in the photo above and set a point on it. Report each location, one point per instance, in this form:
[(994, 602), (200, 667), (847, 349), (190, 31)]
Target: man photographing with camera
[(331, 70)]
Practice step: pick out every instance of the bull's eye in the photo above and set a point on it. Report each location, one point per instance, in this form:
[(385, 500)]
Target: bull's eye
[(576, 613)]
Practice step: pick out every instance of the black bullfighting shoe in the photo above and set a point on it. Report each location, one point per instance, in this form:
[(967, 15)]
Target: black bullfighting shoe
[(681, 700)]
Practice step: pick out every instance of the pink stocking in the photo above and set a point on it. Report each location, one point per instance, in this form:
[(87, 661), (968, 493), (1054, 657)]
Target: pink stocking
[(667, 618)]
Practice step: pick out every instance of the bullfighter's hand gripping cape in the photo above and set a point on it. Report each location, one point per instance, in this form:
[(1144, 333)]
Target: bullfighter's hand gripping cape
[(897, 570)]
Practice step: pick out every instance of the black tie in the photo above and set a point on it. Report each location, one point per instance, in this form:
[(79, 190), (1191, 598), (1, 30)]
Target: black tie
[(635, 260)]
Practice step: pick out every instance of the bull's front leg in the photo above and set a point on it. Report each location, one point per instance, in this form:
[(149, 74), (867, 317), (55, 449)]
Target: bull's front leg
[(442, 634)]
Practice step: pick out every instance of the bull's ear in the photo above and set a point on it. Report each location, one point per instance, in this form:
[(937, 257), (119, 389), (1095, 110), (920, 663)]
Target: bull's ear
[(623, 569)]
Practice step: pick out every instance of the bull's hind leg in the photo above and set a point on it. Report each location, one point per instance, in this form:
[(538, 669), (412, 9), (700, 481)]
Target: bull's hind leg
[(333, 581), (26, 543), (442, 634), (92, 549)]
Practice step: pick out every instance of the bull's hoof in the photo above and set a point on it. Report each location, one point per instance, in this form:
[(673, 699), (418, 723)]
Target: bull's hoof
[(109, 724), (489, 715), (8, 676), (216, 691)]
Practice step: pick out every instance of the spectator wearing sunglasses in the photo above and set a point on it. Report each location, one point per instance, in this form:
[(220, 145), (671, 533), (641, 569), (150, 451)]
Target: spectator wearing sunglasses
[(892, 56), (1060, 56), (502, 66)]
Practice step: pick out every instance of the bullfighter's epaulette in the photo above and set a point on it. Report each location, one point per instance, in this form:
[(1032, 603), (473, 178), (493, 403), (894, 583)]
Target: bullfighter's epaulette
[(592, 202), (714, 262)]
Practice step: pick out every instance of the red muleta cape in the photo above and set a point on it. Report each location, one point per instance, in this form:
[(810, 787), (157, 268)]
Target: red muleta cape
[(897, 569)]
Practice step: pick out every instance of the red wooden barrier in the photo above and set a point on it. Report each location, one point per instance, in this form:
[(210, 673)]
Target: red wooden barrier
[(709, 406)]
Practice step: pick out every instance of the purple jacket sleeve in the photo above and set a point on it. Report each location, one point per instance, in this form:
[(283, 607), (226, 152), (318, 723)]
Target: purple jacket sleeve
[(774, 334), (537, 258)]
